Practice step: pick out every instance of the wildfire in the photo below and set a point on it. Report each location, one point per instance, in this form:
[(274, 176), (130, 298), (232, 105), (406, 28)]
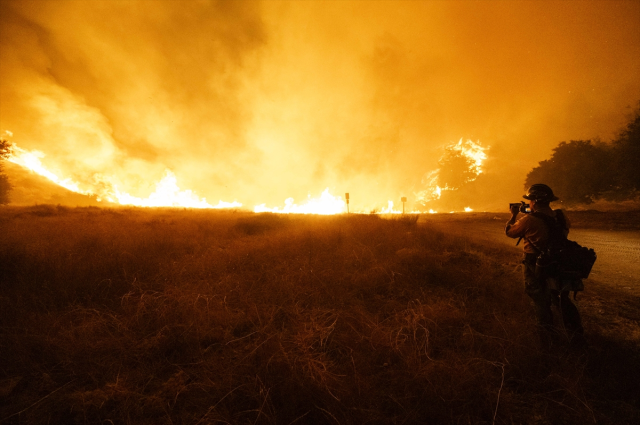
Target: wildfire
[(326, 204), (31, 160), (167, 193), (463, 160), (390, 210), (473, 151)]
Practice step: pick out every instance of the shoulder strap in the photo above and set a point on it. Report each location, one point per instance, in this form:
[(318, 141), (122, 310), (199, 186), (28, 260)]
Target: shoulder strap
[(555, 225), (532, 244), (562, 221)]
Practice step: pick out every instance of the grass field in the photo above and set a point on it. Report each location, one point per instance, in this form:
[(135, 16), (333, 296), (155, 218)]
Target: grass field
[(127, 316), (590, 219)]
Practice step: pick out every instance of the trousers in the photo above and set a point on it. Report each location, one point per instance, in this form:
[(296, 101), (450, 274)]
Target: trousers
[(543, 296)]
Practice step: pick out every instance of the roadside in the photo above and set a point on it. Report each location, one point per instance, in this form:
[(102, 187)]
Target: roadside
[(611, 300), (618, 251)]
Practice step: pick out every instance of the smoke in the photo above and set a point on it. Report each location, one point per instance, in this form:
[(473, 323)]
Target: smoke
[(128, 89), (261, 101)]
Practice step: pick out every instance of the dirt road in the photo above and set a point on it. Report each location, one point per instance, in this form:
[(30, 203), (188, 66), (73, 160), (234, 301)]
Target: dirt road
[(618, 263)]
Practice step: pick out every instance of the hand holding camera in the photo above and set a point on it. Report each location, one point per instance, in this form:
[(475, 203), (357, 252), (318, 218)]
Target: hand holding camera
[(519, 207)]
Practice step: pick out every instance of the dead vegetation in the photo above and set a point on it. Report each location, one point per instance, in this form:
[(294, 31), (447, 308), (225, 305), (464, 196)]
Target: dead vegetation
[(580, 219), (194, 317)]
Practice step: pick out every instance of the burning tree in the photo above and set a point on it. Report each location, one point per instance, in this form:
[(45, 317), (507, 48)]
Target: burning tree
[(460, 165), (457, 168), (5, 187)]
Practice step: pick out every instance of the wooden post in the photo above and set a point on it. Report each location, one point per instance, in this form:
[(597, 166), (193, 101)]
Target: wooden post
[(346, 196), (403, 199)]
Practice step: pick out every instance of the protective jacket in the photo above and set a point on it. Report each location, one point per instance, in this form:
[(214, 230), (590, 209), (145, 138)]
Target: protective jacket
[(534, 230)]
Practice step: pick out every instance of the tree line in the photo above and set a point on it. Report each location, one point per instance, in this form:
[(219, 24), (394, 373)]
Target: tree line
[(583, 171)]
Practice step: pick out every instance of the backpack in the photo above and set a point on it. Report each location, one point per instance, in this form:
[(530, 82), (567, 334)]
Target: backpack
[(564, 261)]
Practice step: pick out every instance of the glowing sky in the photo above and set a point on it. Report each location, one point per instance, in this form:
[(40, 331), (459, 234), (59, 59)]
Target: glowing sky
[(262, 101)]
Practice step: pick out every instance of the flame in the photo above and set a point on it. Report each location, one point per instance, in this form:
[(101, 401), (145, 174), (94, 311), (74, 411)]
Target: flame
[(390, 210), (167, 193), (31, 161), (326, 204), (472, 151)]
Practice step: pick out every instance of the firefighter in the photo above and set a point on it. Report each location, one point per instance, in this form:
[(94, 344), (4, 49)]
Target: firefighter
[(542, 291)]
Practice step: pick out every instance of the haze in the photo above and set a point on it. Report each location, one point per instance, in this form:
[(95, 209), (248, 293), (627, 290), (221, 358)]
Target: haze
[(261, 101)]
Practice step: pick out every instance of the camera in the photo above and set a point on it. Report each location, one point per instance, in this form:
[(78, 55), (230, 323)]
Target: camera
[(524, 208)]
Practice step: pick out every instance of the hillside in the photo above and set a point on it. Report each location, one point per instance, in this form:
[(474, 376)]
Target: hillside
[(30, 188)]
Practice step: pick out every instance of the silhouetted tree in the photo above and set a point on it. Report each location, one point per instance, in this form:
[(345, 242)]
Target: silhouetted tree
[(583, 170), (456, 169), (578, 171), (626, 149), (5, 187)]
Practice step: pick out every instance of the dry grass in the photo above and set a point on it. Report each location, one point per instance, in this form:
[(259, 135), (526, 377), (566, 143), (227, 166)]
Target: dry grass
[(580, 219), (194, 317)]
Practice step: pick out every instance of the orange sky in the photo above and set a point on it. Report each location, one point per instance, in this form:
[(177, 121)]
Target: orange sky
[(260, 101)]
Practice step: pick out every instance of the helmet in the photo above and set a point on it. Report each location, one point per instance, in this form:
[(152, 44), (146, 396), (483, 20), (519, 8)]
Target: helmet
[(540, 192)]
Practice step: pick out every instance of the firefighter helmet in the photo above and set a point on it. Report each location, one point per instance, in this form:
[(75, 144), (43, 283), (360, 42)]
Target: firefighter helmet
[(540, 192)]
